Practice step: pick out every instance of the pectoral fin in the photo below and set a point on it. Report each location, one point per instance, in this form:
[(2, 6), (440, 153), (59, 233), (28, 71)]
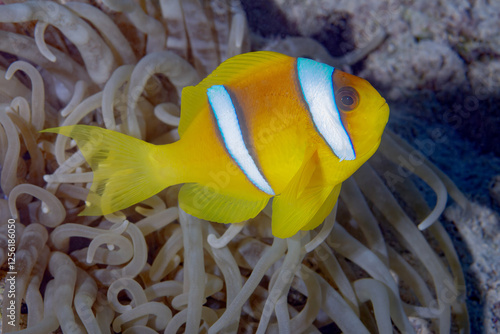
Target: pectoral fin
[(305, 202), (325, 209), (207, 203)]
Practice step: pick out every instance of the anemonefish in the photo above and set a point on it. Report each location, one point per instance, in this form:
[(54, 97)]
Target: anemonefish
[(261, 126)]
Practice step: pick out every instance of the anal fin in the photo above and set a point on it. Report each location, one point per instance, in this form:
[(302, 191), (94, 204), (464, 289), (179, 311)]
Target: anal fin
[(206, 203)]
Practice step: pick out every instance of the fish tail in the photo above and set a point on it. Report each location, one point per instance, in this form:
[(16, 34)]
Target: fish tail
[(126, 170)]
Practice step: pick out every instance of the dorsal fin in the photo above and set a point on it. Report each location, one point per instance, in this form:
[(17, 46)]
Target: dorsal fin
[(194, 97)]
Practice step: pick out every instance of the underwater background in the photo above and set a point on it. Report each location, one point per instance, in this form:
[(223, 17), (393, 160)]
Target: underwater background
[(436, 62)]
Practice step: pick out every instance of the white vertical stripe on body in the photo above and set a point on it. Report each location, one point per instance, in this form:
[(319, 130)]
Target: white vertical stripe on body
[(229, 127), (315, 80)]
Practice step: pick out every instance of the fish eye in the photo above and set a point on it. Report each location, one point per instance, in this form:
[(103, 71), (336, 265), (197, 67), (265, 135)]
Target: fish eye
[(347, 99)]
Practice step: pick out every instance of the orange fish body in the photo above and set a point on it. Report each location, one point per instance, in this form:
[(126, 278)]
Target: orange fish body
[(262, 125)]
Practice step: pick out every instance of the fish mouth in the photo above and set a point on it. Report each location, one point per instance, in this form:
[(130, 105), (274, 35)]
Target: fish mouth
[(384, 113), (384, 108), (384, 104)]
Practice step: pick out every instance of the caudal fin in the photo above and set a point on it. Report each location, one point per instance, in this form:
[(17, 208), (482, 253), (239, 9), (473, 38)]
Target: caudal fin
[(126, 169)]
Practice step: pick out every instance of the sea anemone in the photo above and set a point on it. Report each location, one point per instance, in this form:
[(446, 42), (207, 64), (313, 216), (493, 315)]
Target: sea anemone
[(154, 269)]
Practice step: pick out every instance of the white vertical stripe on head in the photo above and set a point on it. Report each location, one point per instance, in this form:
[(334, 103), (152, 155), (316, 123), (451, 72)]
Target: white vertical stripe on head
[(229, 126), (317, 88)]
